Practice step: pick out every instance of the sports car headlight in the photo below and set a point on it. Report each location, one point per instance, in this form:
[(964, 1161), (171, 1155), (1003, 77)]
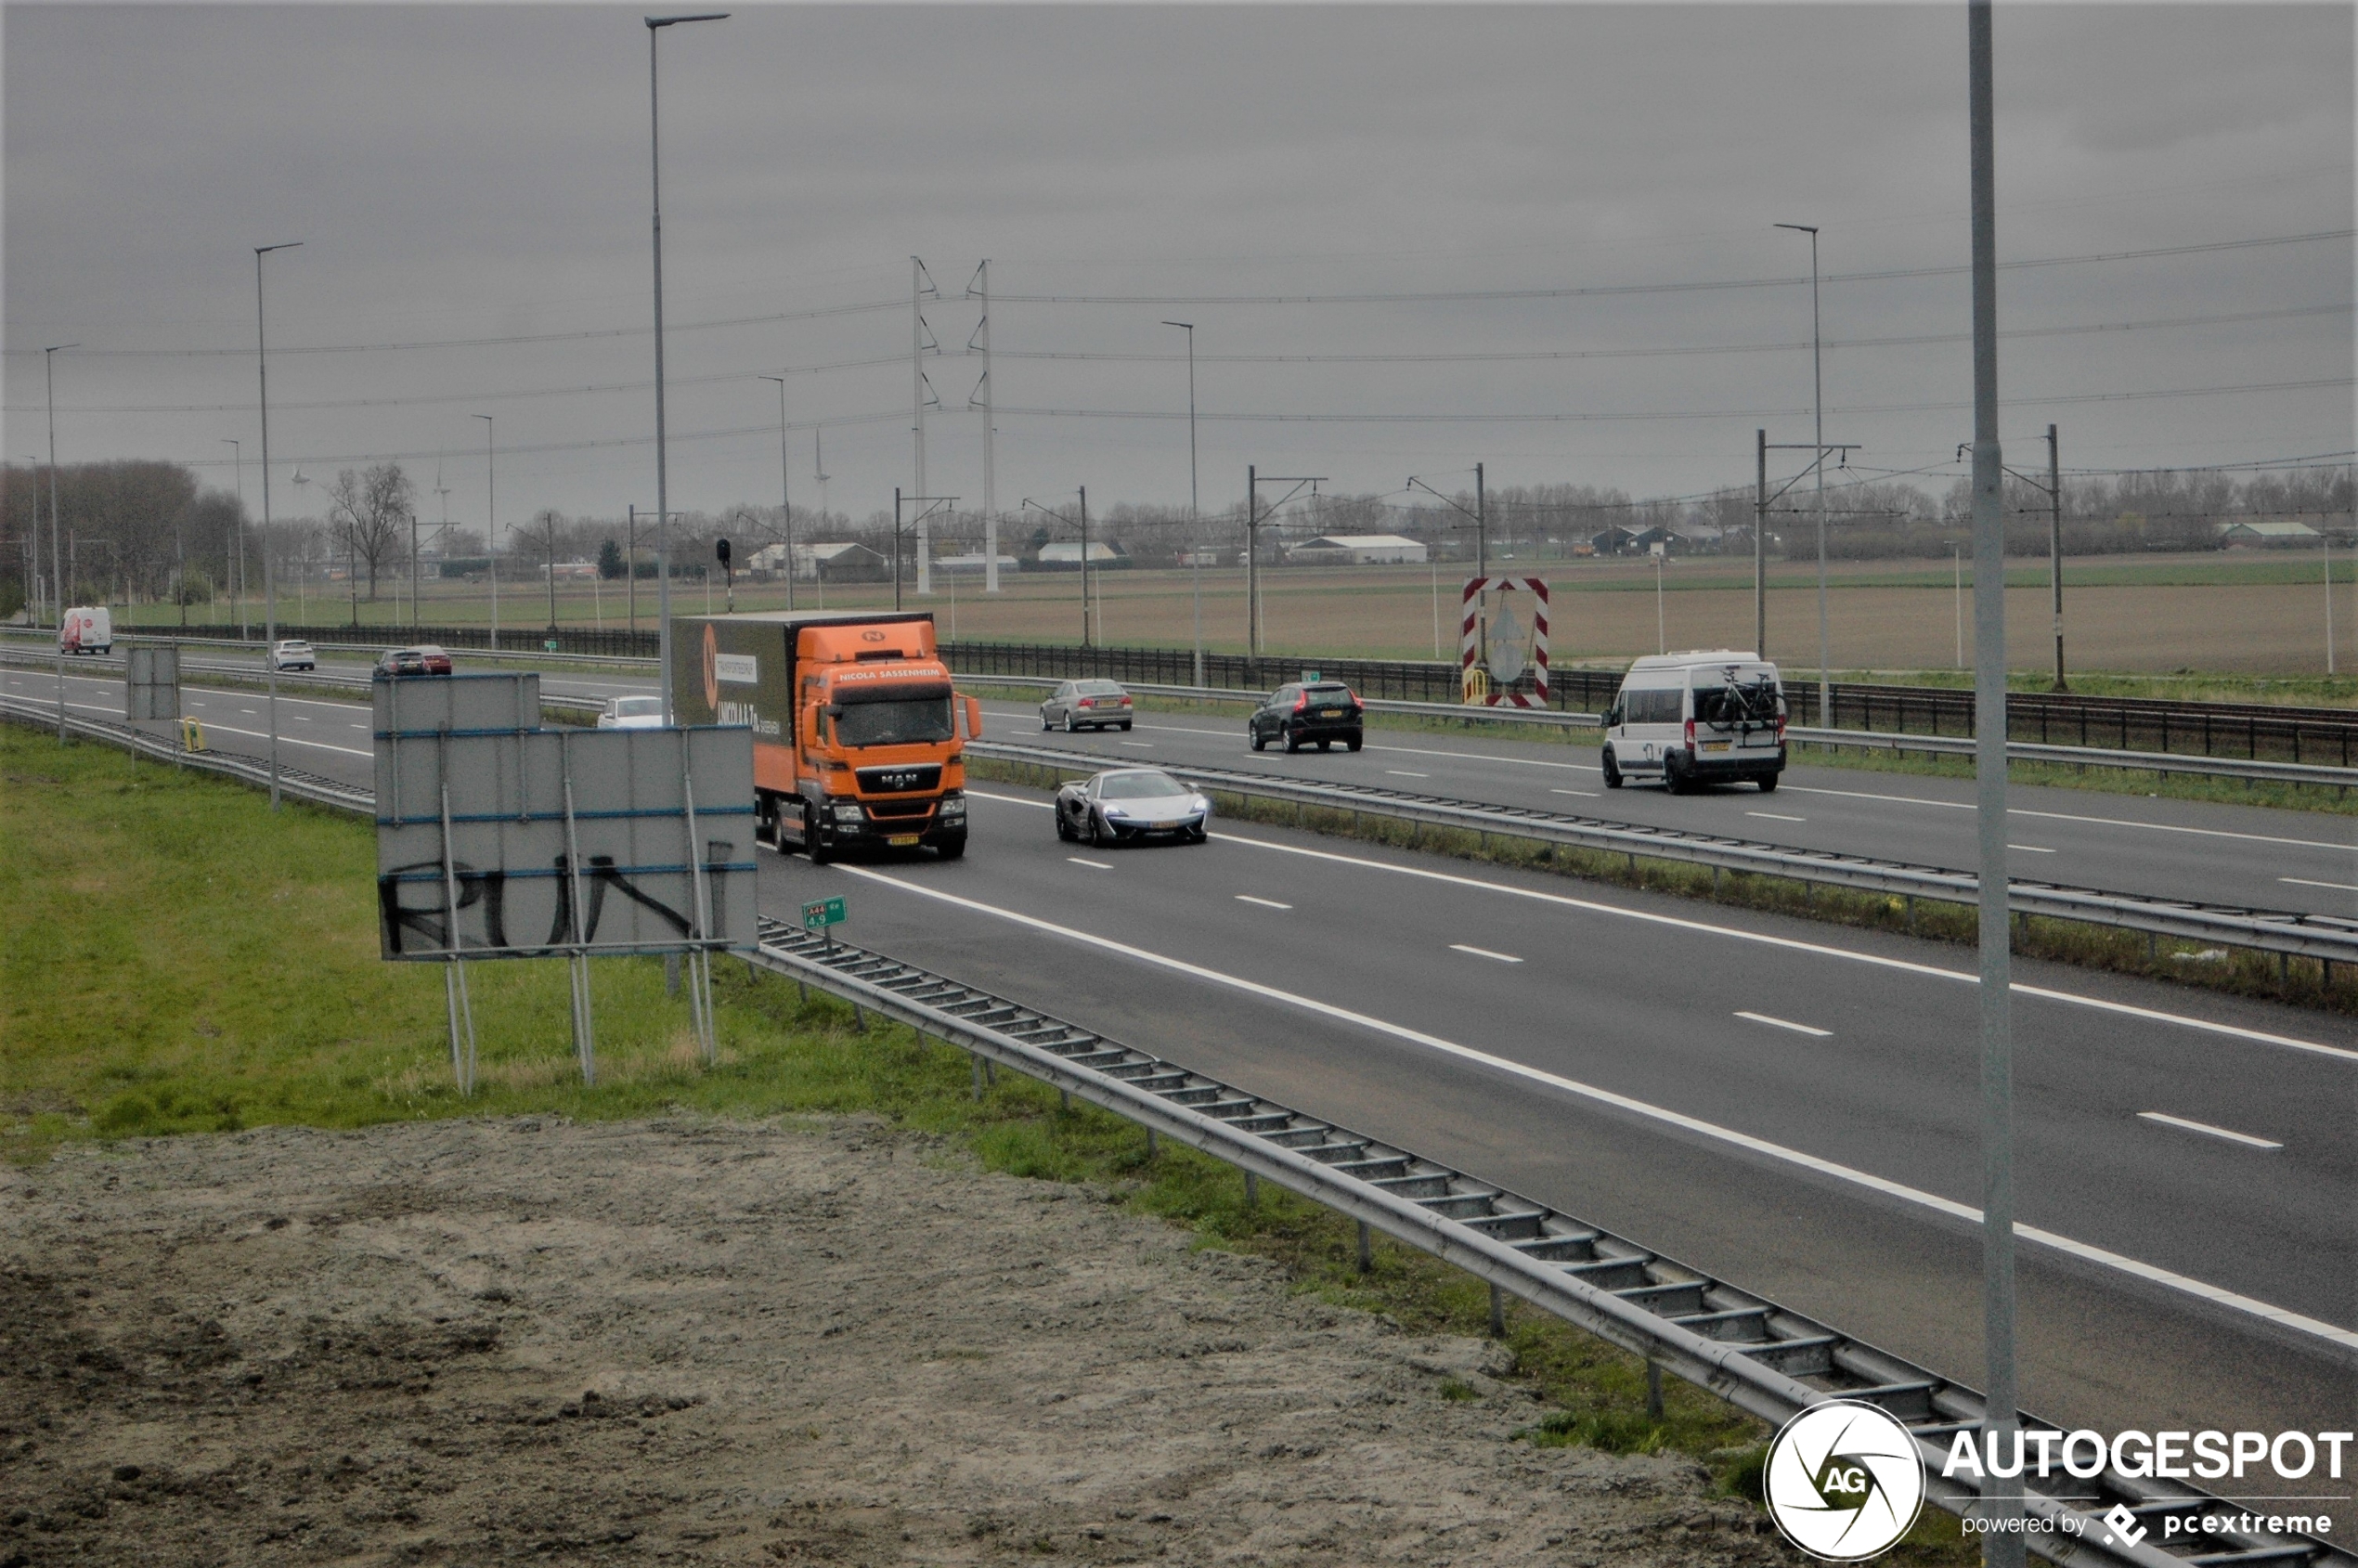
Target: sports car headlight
[(1115, 812), (1200, 804)]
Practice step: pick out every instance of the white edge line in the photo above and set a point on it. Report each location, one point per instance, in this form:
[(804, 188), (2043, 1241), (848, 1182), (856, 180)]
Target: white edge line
[(2217, 1295), (1787, 1023), (2207, 1129), (2305, 882), (1790, 945), (1092, 866), (1265, 904)]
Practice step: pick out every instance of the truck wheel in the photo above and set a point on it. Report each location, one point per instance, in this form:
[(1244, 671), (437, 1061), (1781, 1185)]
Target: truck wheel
[(820, 854), (951, 849), (1613, 770)]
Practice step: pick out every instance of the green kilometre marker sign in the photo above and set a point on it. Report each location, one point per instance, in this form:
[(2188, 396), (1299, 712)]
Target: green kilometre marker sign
[(820, 914)]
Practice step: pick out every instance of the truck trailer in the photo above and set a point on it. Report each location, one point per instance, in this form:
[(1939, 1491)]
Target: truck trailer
[(858, 738)]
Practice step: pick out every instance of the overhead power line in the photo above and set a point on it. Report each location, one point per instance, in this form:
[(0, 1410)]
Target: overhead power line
[(1459, 295)]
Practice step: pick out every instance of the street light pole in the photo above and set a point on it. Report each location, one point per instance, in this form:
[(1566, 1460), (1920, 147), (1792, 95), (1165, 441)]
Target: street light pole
[(491, 522), (663, 488), (1194, 550), (1818, 380), (786, 506), (269, 583), (56, 576)]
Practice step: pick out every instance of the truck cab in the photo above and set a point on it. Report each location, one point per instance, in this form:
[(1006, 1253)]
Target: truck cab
[(859, 736)]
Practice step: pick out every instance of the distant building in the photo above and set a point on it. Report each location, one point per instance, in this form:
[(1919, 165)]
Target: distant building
[(1671, 542), (972, 563), (2267, 536), (1065, 556), (846, 562), (1615, 540), (1359, 549)]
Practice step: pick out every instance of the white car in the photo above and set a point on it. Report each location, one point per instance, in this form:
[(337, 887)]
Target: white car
[(1696, 718), (293, 653), (632, 713)]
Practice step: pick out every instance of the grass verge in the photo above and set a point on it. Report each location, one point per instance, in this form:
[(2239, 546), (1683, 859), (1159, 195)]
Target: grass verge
[(175, 959)]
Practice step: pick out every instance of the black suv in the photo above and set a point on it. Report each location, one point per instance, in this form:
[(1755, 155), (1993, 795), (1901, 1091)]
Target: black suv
[(1324, 711)]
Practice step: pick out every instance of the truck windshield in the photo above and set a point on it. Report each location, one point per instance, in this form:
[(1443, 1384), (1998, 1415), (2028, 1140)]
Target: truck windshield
[(907, 722)]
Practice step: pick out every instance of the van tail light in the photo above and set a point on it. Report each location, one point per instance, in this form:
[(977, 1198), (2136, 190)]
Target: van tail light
[(1690, 734)]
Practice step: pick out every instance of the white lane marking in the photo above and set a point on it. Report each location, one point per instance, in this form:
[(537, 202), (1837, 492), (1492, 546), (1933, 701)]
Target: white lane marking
[(2305, 882), (1591, 794), (1787, 1023), (1142, 745), (1092, 866), (1403, 774), (250, 713), (1484, 953), (287, 740), (2076, 817), (1789, 944), (2282, 1316), (1265, 904), (2207, 1129), (2030, 848), (303, 719), (1776, 816)]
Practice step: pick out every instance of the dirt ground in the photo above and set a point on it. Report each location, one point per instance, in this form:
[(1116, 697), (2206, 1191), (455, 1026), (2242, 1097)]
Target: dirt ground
[(700, 1343)]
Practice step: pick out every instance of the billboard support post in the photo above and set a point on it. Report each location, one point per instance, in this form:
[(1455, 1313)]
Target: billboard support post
[(584, 1040), (454, 979)]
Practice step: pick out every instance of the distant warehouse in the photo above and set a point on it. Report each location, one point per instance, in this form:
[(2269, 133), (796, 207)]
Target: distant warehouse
[(2263, 536), (1358, 549)]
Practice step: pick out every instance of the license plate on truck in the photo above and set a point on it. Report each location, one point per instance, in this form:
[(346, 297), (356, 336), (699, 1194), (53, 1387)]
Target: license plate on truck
[(901, 840)]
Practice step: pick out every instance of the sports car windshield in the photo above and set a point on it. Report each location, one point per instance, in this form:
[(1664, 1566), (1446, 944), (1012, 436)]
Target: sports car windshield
[(1140, 786), (904, 722)]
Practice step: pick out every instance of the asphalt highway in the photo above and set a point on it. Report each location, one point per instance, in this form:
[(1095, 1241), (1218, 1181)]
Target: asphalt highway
[(2252, 856)]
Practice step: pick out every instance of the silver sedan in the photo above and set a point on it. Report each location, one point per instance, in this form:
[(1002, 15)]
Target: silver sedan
[(1130, 805), (1086, 705)]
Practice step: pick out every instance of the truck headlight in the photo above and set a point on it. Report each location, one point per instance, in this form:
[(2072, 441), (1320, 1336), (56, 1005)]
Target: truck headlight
[(954, 810), (849, 812)]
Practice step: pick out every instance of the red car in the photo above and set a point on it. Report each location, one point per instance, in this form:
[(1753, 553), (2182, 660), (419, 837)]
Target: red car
[(425, 659)]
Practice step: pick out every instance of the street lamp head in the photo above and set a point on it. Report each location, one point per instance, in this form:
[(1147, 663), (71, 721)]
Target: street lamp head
[(1798, 227), (1187, 324), (55, 348), (653, 22), (282, 245)]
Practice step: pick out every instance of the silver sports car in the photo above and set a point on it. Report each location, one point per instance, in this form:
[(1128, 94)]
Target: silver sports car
[(1126, 805)]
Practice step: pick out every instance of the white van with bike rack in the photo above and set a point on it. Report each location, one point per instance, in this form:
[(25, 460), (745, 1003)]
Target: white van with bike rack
[(1704, 716)]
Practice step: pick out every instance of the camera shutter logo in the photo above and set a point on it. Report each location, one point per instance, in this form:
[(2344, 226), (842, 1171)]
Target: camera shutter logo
[(1843, 1481)]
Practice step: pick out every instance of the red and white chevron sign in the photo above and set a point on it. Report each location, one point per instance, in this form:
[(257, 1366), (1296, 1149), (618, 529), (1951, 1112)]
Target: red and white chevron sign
[(1469, 638)]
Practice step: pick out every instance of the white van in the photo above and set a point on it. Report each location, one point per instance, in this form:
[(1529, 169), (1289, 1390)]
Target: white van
[(1695, 718), (86, 630)]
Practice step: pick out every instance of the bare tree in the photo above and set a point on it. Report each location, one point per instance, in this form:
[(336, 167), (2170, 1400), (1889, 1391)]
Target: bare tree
[(377, 507)]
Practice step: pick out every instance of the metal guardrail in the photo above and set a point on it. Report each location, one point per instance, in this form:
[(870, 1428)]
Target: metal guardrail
[(2332, 938), (1868, 740), (292, 782), (1758, 1356)]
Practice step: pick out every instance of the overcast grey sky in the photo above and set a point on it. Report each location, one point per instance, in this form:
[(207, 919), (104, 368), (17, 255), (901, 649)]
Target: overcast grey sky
[(480, 174)]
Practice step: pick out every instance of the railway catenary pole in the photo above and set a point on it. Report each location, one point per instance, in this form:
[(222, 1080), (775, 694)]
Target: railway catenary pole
[(1760, 545), (57, 560), (2001, 1547), (2054, 548)]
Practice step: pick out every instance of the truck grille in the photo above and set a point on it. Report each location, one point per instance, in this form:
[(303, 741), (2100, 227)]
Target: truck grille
[(902, 780)]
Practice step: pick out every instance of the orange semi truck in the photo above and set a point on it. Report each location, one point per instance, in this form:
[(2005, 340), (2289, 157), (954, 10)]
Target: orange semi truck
[(858, 739)]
